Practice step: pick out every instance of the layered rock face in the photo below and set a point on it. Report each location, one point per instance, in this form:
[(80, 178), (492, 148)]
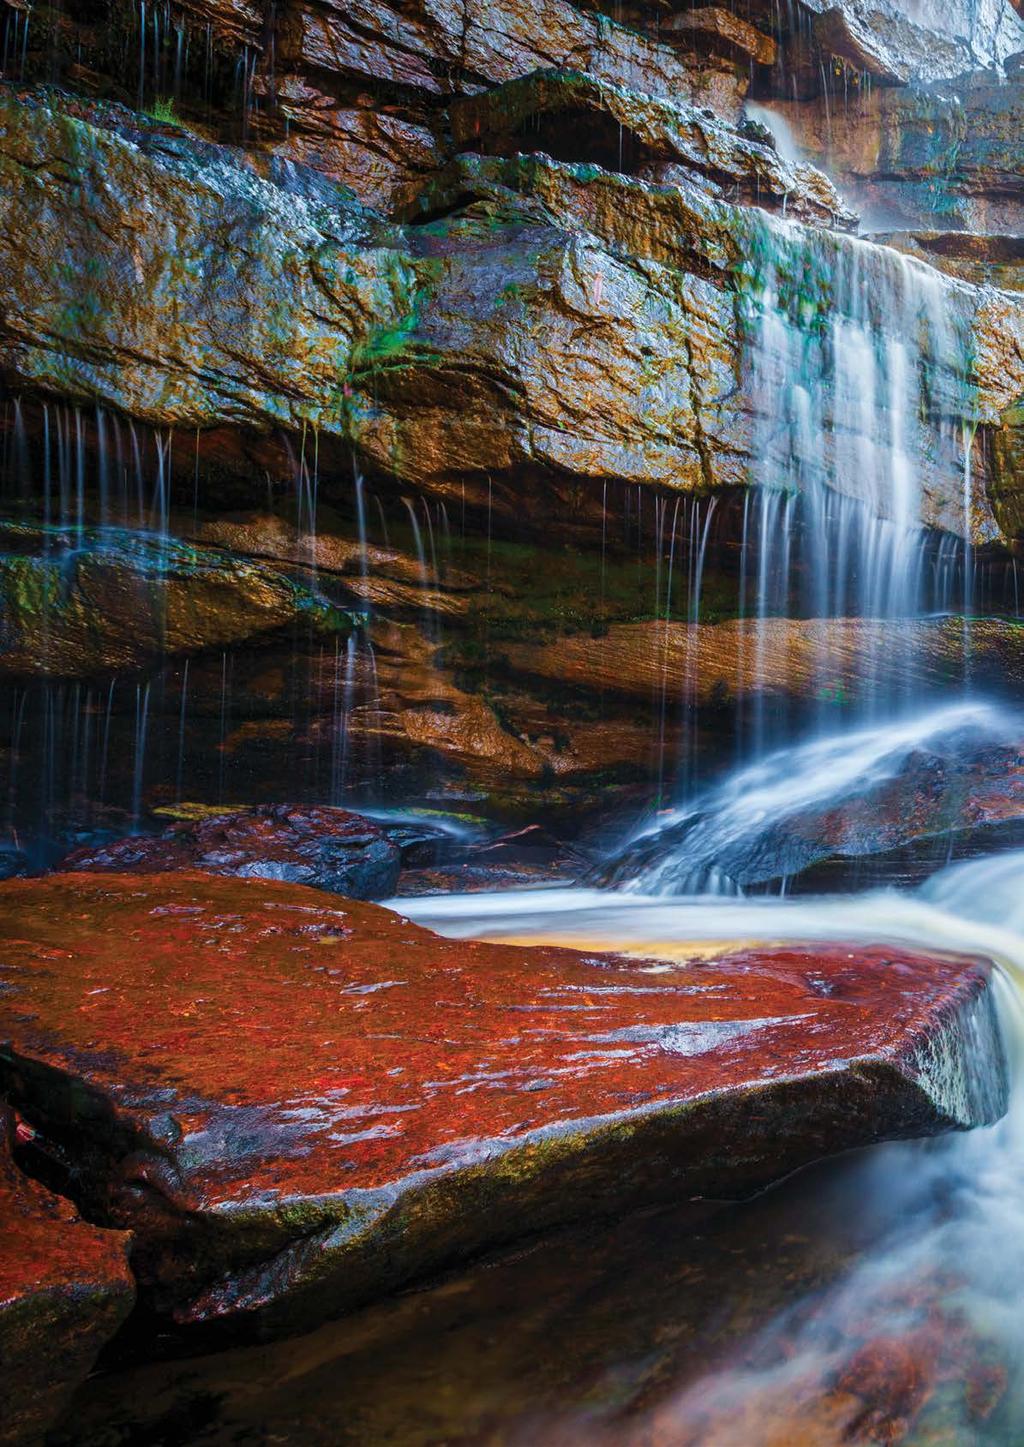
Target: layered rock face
[(452, 349), (359, 308)]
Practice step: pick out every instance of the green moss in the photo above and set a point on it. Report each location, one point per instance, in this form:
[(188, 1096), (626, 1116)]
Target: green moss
[(28, 586), (537, 592), (162, 110)]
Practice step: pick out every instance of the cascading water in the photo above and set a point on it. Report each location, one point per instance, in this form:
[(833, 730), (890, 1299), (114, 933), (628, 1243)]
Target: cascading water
[(859, 373), (774, 818)]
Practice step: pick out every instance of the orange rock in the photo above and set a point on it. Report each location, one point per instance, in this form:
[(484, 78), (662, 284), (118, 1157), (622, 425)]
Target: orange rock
[(892, 1382)]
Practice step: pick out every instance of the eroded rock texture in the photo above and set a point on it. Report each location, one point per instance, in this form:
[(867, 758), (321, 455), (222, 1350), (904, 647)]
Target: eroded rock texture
[(296, 1105), (544, 314), (328, 849), (74, 604)]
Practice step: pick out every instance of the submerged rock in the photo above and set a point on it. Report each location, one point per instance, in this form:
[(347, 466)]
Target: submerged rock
[(65, 1288), (298, 1106), (326, 848)]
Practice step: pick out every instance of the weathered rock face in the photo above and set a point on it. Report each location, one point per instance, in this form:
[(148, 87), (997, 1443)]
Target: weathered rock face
[(983, 260), (922, 155), (65, 1288), (496, 1091), (895, 41), (329, 849), (843, 659), (178, 321), (76, 603), (510, 681), (452, 349), (572, 117)]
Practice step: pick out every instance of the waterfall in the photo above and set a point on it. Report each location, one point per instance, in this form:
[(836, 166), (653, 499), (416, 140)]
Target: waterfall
[(858, 369)]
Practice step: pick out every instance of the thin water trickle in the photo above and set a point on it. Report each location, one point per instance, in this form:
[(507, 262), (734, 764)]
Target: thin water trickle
[(142, 692), (179, 772)]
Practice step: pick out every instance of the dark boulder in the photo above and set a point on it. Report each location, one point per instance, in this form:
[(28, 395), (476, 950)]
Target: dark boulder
[(804, 808), (327, 848), (65, 1288)]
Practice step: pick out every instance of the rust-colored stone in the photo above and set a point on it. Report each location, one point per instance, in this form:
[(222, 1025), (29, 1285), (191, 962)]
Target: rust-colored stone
[(889, 1379), (722, 30), (828, 659), (299, 1105), (65, 1288)]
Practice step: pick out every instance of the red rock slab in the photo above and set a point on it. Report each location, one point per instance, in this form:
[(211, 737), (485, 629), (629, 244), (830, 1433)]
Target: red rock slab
[(65, 1288), (299, 1103)]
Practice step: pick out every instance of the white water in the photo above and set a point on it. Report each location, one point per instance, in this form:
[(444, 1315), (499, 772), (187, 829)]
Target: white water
[(736, 832), (946, 1217), (857, 362)]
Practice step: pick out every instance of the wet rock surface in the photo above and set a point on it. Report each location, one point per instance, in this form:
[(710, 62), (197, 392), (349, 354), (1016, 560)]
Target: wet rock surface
[(77, 602), (895, 41), (330, 849), (65, 1288), (176, 321), (298, 1106), (529, 856), (638, 1345), (574, 118), (450, 347), (825, 659), (923, 156)]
